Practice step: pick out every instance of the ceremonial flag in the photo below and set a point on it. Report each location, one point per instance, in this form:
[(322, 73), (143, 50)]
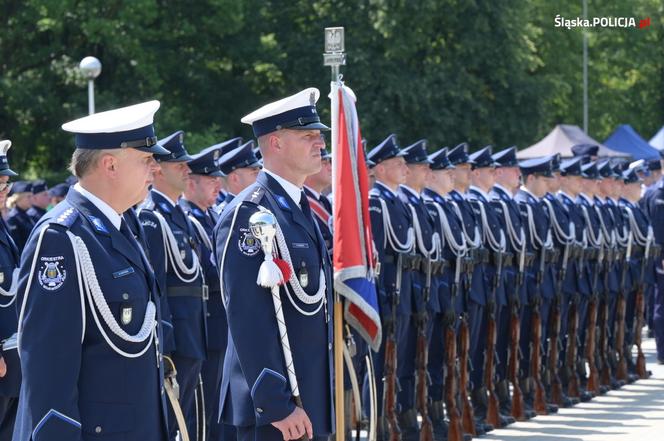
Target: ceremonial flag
[(353, 245)]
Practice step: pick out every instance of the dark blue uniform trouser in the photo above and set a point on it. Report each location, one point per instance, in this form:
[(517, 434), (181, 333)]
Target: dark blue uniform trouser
[(8, 407), (211, 374), (658, 316), (265, 433), (188, 371)]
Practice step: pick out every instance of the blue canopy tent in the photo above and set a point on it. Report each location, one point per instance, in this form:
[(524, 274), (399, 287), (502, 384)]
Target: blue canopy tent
[(625, 139)]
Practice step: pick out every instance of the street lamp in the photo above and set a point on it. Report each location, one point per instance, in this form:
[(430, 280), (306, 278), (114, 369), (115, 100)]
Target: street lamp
[(91, 68)]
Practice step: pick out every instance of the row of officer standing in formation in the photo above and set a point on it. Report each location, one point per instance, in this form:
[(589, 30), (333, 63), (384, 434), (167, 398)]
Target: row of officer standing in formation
[(132, 310)]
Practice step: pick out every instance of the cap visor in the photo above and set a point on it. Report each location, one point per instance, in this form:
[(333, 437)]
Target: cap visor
[(312, 126), (155, 150), (8, 172), (182, 158)]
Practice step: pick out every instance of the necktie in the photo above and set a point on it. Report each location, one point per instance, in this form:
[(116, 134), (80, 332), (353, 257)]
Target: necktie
[(126, 232), (304, 206)]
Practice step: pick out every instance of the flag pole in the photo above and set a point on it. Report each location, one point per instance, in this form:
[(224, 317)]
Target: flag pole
[(334, 57)]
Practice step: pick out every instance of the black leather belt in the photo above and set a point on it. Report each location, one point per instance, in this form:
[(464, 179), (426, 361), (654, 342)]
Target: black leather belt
[(189, 291)]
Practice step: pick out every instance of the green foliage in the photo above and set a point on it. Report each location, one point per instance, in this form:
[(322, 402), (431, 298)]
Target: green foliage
[(446, 70)]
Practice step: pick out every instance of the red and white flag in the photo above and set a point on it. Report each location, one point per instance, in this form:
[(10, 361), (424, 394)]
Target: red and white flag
[(353, 244)]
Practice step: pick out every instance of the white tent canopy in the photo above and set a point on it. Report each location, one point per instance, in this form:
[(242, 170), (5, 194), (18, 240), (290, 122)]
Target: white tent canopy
[(560, 140), (657, 141)]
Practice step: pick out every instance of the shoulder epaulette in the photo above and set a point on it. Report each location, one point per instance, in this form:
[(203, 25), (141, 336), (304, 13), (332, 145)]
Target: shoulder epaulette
[(66, 219), (255, 196), (374, 193)]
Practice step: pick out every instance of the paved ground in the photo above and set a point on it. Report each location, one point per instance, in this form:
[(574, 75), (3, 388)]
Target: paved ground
[(635, 412)]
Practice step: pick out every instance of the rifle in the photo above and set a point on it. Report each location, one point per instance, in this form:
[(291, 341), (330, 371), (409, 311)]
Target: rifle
[(603, 319), (554, 332), (468, 415), (426, 430), (492, 415), (593, 376), (390, 389), (536, 343), (518, 410), (455, 430), (571, 352), (621, 308), (639, 310)]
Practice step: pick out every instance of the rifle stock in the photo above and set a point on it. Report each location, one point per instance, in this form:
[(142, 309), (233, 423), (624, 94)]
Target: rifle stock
[(492, 415), (536, 362), (455, 430), (426, 430), (468, 414), (518, 409), (571, 351), (390, 388), (553, 355)]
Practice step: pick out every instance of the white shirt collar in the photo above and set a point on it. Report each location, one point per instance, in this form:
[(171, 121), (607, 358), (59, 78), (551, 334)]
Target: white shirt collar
[(106, 209), (525, 190), (291, 189), (507, 192), (479, 190), (410, 190), (386, 187), (562, 193), (170, 201)]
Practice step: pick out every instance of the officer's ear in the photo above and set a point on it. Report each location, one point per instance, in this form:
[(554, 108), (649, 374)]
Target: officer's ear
[(109, 164)]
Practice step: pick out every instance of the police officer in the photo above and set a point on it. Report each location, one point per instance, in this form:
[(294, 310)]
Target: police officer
[(57, 193), (539, 275), (19, 223), (321, 206), (474, 288), (225, 147), (425, 252), (447, 304), (565, 279), (394, 238), (257, 395), (88, 323), (174, 255), (10, 369), (240, 167), (482, 177), (642, 269), (199, 197), (597, 242), (40, 200), (579, 280), (506, 183)]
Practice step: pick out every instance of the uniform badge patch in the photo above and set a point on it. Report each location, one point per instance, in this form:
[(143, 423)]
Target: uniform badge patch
[(127, 312), (247, 243), (51, 276), (98, 224)]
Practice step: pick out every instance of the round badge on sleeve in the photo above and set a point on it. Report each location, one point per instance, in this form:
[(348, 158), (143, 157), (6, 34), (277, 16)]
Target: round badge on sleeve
[(51, 275), (247, 243)]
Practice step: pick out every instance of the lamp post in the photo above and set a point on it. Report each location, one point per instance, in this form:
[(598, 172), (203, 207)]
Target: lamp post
[(91, 68)]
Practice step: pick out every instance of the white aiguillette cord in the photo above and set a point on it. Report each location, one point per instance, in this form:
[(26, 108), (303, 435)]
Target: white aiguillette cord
[(177, 262)]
